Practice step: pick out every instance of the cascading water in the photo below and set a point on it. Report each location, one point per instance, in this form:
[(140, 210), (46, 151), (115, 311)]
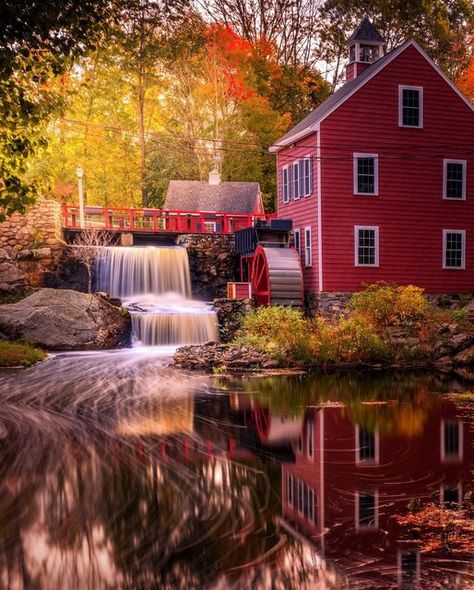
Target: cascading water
[(154, 283)]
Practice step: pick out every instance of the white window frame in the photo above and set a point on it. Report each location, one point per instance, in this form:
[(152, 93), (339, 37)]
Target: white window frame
[(309, 177), (357, 228), (358, 156), (365, 527), (452, 458), (297, 232), (463, 252), (358, 459), (296, 180), (285, 184), (210, 227), (310, 437), (308, 247), (445, 486), (399, 564), (290, 490), (445, 178), (401, 88), (301, 179)]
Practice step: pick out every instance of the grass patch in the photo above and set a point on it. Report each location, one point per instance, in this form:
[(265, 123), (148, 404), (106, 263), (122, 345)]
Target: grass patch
[(18, 354)]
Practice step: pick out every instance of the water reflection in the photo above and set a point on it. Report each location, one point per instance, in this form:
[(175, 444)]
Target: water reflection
[(118, 472)]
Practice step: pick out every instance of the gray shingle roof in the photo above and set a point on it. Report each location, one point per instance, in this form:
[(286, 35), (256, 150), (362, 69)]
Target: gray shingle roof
[(366, 32), (195, 195), (337, 97)]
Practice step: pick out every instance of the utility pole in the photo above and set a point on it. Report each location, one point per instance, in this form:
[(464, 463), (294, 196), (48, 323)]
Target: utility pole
[(80, 187)]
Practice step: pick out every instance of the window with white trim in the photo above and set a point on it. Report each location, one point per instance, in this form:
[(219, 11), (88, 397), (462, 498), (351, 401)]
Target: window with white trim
[(310, 437), (410, 106), (451, 440), (367, 510), (285, 185), (290, 482), (367, 446), (366, 246), (454, 179), (297, 239), (308, 176), (290, 182), (408, 568), (366, 174), (296, 181), (308, 251), (454, 248), (301, 178), (210, 227)]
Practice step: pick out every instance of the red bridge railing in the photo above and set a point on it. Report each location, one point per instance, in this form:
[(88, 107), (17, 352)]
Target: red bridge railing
[(158, 220)]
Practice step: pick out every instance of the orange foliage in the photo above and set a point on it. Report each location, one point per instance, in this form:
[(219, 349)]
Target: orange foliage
[(236, 57), (466, 80)]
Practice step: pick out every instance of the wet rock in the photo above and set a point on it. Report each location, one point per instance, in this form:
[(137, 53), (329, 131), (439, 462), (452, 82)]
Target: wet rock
[(444, 363), (12, 278), (65, 320), (465, 357), (207, 356)]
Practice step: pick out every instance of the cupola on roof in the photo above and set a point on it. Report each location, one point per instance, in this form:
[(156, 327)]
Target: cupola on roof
[(366, 32)]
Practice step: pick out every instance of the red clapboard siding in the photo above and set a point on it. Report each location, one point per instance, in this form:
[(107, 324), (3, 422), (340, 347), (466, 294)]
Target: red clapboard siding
[(302, 211), (409, 210)]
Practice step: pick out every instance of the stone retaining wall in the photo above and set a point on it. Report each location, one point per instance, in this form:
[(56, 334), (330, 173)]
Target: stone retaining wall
[(31, 247), (212, 262), (329, 305), (229, 316)]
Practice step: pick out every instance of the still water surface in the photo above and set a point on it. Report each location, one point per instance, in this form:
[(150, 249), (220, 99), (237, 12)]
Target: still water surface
[(118, 472)]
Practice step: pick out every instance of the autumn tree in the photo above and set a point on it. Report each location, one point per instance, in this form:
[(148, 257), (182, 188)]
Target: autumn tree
[(38, 42), (466, 78)]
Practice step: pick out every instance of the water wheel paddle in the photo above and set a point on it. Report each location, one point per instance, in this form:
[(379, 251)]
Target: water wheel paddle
[(277, 278)]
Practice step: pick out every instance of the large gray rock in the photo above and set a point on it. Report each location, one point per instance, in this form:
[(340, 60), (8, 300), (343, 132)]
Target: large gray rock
[(61, 319), (11, 277)]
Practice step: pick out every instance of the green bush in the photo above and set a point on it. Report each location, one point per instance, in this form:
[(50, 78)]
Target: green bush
[(390, 305), (351, 340), (281, 331)]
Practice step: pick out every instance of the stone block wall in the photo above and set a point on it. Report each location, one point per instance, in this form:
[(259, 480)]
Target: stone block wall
[(213, 262), (229, 315), (329, 305), (31, 247)]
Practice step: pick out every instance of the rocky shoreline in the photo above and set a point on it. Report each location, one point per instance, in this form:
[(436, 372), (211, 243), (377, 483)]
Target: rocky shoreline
[(452, 352)]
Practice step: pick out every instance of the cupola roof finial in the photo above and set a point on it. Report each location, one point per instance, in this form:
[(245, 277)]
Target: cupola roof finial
[(366, 32)]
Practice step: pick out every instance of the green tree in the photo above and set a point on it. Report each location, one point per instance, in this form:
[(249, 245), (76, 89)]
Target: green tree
[(441, 27), (38, 42)]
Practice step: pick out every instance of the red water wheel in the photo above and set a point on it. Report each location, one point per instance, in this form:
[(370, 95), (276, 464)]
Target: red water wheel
[(260, 277), (276, 276)]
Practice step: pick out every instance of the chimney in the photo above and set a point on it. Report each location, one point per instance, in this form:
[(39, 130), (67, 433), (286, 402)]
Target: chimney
[(214, 177), (366, 45)]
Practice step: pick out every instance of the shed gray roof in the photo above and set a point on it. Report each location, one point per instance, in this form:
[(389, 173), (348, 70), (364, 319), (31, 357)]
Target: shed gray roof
[(195, 195), (337, 97), (366, 32)]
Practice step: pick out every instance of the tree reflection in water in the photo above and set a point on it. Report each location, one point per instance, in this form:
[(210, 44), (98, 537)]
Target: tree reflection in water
[(117, 472), (109, 479)]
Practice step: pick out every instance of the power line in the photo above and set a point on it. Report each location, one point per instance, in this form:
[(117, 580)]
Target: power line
[(337, 147), (158, 139)]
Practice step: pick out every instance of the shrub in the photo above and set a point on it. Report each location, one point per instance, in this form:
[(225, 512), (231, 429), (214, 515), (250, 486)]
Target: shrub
[(390, 305), (351, 340), (281, 331)]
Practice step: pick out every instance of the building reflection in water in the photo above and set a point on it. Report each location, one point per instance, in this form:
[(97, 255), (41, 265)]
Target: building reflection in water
[(177, 485), (357, 494)]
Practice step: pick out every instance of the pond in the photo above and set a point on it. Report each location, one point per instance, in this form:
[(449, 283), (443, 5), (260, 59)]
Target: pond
[(117, 471)]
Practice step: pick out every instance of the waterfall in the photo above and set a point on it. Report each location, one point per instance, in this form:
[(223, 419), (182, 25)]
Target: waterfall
[(154, 283), (127, 272)]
